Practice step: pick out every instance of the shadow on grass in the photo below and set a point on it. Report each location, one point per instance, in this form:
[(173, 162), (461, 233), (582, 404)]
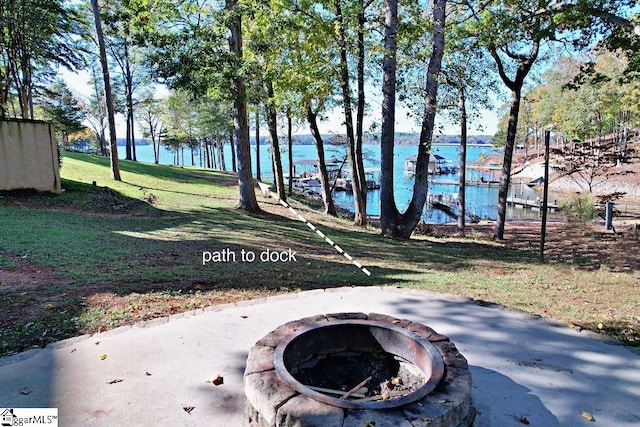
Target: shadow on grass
[(134, 248), (79, 196)]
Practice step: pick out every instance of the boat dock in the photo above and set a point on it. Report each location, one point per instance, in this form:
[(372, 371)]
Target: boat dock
[(449, 205), (468, 182), (534, 204)]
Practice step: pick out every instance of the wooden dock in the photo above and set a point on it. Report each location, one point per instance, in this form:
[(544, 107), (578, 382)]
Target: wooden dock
[(468, 182), (533, 204), (449, 205)]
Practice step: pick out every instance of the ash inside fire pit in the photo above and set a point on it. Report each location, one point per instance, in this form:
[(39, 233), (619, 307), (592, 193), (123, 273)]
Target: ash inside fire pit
[(371, 374), (358, 363)]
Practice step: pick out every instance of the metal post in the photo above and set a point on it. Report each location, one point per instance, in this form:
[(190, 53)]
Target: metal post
[(543, 233), (608, 215)]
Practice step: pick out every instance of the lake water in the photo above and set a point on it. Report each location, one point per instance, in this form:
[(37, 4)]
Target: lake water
[(480, 200)]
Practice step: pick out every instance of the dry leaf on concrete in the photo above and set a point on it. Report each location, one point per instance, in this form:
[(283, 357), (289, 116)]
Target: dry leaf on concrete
[(587, 416)]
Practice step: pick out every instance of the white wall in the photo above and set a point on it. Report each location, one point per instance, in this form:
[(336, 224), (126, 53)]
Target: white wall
[(28, 156)]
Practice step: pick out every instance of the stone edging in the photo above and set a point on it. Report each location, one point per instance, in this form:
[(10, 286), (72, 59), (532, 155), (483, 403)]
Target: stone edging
[(272, 402)]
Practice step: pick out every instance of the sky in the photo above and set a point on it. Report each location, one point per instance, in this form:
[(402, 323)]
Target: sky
[(334, 122)]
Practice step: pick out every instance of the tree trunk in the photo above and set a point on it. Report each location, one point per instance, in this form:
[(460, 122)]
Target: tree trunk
[(102, 140), (290, 143), (128, 82), (23, 94), (361, 104), (329, 207), (221, 154), (352, 152), (515, 86), (278, 175), (152, 134), (234, 165), (99, 127), (402, 225), (129, 129), (247, 200), (115, 167), (505, 174), (258, 177), (389, 214), (205, 154), (462, 104), (212, 157), (156, 150)]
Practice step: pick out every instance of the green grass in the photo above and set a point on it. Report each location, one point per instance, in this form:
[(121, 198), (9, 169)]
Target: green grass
[(121, 252), (6, 263)]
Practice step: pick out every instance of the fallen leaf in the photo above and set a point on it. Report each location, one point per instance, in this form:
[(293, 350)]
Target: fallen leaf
[(117, 380), (218, 380), (102, 329), (587, 416), (524, 420), (73, 351), (188, 409), (25, 390), (244, 316), (103, 356), (571, 325), (147, 373)]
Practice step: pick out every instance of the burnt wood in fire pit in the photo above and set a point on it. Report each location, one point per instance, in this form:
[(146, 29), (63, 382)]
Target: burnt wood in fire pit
[(309, 372), (341, 353)]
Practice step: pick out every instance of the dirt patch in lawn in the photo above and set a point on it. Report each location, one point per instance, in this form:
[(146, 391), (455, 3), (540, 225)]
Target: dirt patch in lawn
[(23, 275)]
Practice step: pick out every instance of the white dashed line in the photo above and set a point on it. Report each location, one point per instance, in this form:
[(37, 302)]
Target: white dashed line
[(320, 233)]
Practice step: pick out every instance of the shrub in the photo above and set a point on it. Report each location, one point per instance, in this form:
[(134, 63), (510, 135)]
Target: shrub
[(578, 207)]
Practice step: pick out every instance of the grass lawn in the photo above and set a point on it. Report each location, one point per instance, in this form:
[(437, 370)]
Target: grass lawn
[(105, 255)]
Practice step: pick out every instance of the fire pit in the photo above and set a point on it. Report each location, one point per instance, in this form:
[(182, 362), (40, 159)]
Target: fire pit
[(348, 368)]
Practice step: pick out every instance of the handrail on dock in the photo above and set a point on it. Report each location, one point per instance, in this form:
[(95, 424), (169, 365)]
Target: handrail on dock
[(531, 203)]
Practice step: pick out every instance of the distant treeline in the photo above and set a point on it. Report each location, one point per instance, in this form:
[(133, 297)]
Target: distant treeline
[(401, 139)]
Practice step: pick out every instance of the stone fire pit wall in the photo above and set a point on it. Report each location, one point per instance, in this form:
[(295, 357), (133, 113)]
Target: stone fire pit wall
[(272, 402)]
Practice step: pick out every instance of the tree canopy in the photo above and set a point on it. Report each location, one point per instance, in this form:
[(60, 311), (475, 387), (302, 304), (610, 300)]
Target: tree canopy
[(298, 60)]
